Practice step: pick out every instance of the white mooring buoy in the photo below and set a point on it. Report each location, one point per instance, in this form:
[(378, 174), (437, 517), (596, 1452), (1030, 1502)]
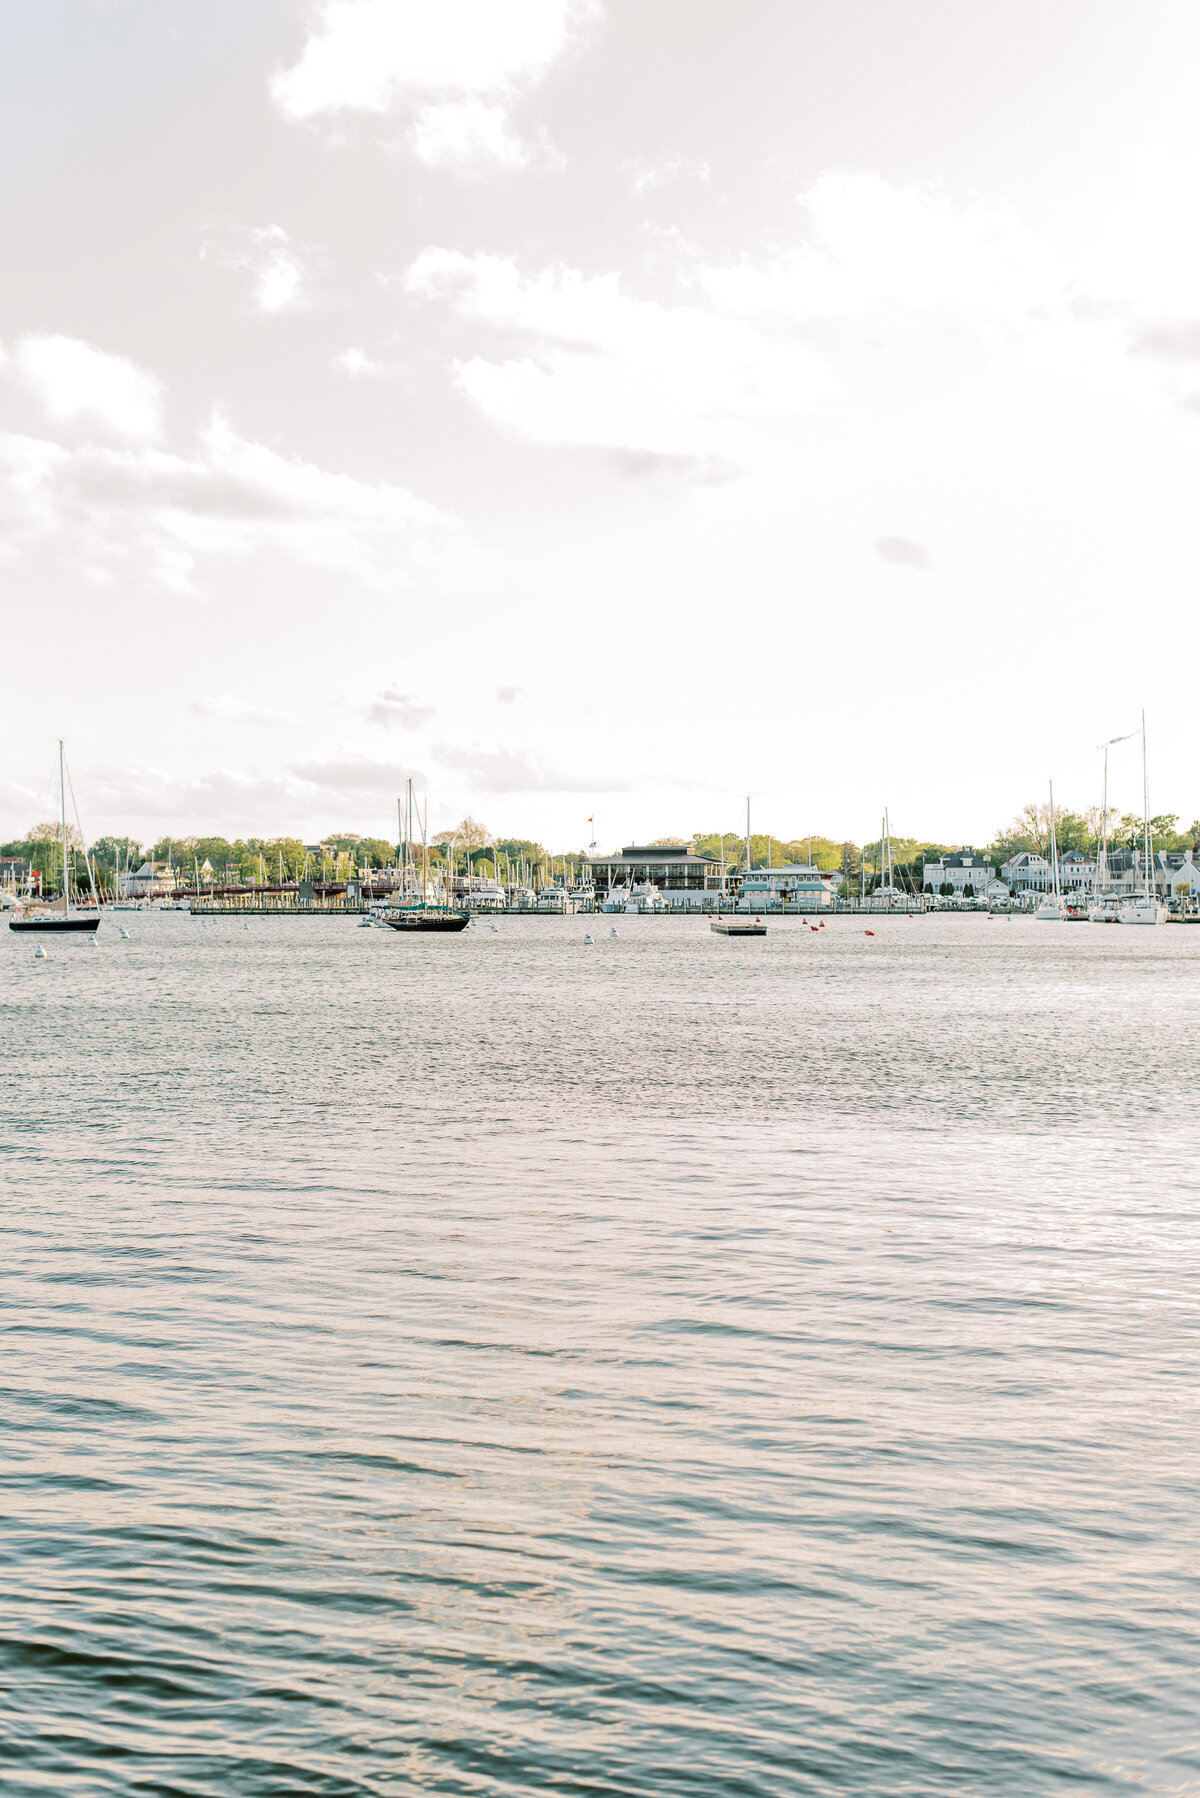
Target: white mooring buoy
[(589, 939), (613, 931), (39, 954)]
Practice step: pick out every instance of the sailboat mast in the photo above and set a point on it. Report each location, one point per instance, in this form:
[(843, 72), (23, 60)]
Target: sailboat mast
[(1053, 847), (1102, 871), (747, 836), (62, 794), (1145, 808)]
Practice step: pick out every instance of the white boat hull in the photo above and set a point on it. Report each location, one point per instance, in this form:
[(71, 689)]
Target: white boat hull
[(1143, 912)]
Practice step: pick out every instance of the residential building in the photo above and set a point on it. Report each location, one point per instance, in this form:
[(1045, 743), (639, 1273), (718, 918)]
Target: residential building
[(1176, 874), (1026, 872), (1076, 872), (959, 871)]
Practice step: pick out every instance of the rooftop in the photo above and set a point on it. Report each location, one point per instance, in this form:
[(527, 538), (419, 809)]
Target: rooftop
[(655, 852)]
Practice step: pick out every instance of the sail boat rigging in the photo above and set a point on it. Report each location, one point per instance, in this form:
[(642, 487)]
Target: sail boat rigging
[(416, 911), (1145, 907), (1052, 909), (59, 914), (1104, 906)]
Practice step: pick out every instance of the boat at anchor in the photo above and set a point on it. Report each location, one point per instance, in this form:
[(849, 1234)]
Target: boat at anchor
[(417, 909), (59, 914), (425, 917)]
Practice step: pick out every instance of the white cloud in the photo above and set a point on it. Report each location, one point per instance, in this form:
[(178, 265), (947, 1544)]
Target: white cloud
[(517, 771), (903, 552), (866, 243), (144, 509), (452, 132), (74, 381), (456, 68), (666, 170), (279, 268), (357, 364), (621, 373), (238, 711), (392, 707), (234, 801)]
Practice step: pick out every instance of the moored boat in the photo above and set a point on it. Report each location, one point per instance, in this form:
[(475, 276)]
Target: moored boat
[(441, 918), (55, 917), (1052, 909), (59, 914), (1144, 909)]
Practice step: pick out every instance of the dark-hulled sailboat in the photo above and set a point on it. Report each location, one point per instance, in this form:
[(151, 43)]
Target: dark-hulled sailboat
[(415, 910), (58, 914)]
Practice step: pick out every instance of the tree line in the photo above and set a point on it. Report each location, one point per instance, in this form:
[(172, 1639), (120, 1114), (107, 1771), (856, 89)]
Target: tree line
[(240, 860)]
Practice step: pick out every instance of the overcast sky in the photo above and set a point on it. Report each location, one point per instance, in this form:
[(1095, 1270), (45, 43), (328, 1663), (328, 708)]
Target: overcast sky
[(597, 407)]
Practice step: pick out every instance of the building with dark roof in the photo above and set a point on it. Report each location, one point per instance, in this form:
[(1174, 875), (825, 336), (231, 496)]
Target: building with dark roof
[(672, 867)]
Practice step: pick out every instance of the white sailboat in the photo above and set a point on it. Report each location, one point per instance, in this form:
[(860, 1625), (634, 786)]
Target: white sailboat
[(1052, 909), (1104, 907), (1146, 907)]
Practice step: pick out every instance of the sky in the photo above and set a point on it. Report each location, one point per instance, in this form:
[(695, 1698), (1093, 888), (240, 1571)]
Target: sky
[(597, 410)]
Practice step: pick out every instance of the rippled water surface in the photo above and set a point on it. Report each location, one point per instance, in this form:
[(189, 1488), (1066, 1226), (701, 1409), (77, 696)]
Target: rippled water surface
[(673, 1366)]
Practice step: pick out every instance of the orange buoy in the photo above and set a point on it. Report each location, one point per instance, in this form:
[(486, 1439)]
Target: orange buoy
[(868, 933)]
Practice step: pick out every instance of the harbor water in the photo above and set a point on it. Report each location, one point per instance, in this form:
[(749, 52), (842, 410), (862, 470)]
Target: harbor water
[(672, 1365)]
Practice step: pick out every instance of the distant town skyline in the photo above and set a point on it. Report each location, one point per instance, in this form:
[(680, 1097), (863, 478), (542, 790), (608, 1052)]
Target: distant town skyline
[(591, 407)]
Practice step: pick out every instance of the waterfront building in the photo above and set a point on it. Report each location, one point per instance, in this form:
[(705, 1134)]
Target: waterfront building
[(1026, 872), (804, 888), (1076, 872), (1177, 874), (959, 871), (151, 880), (687, 881), (16, 872)]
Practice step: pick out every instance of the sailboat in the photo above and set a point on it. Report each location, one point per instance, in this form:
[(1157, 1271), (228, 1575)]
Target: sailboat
[(1104, 907), (59, 914), (725, 924), (1052, 909), (419, 911), (1146, 907)]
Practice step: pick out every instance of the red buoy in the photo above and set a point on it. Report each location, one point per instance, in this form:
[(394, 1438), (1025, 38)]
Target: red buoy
[(868, 933)]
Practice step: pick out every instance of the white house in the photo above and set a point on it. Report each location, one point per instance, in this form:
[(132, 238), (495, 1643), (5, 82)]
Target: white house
[(1027, 872), (1076, 871), (1177, 874), (958, 872)]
